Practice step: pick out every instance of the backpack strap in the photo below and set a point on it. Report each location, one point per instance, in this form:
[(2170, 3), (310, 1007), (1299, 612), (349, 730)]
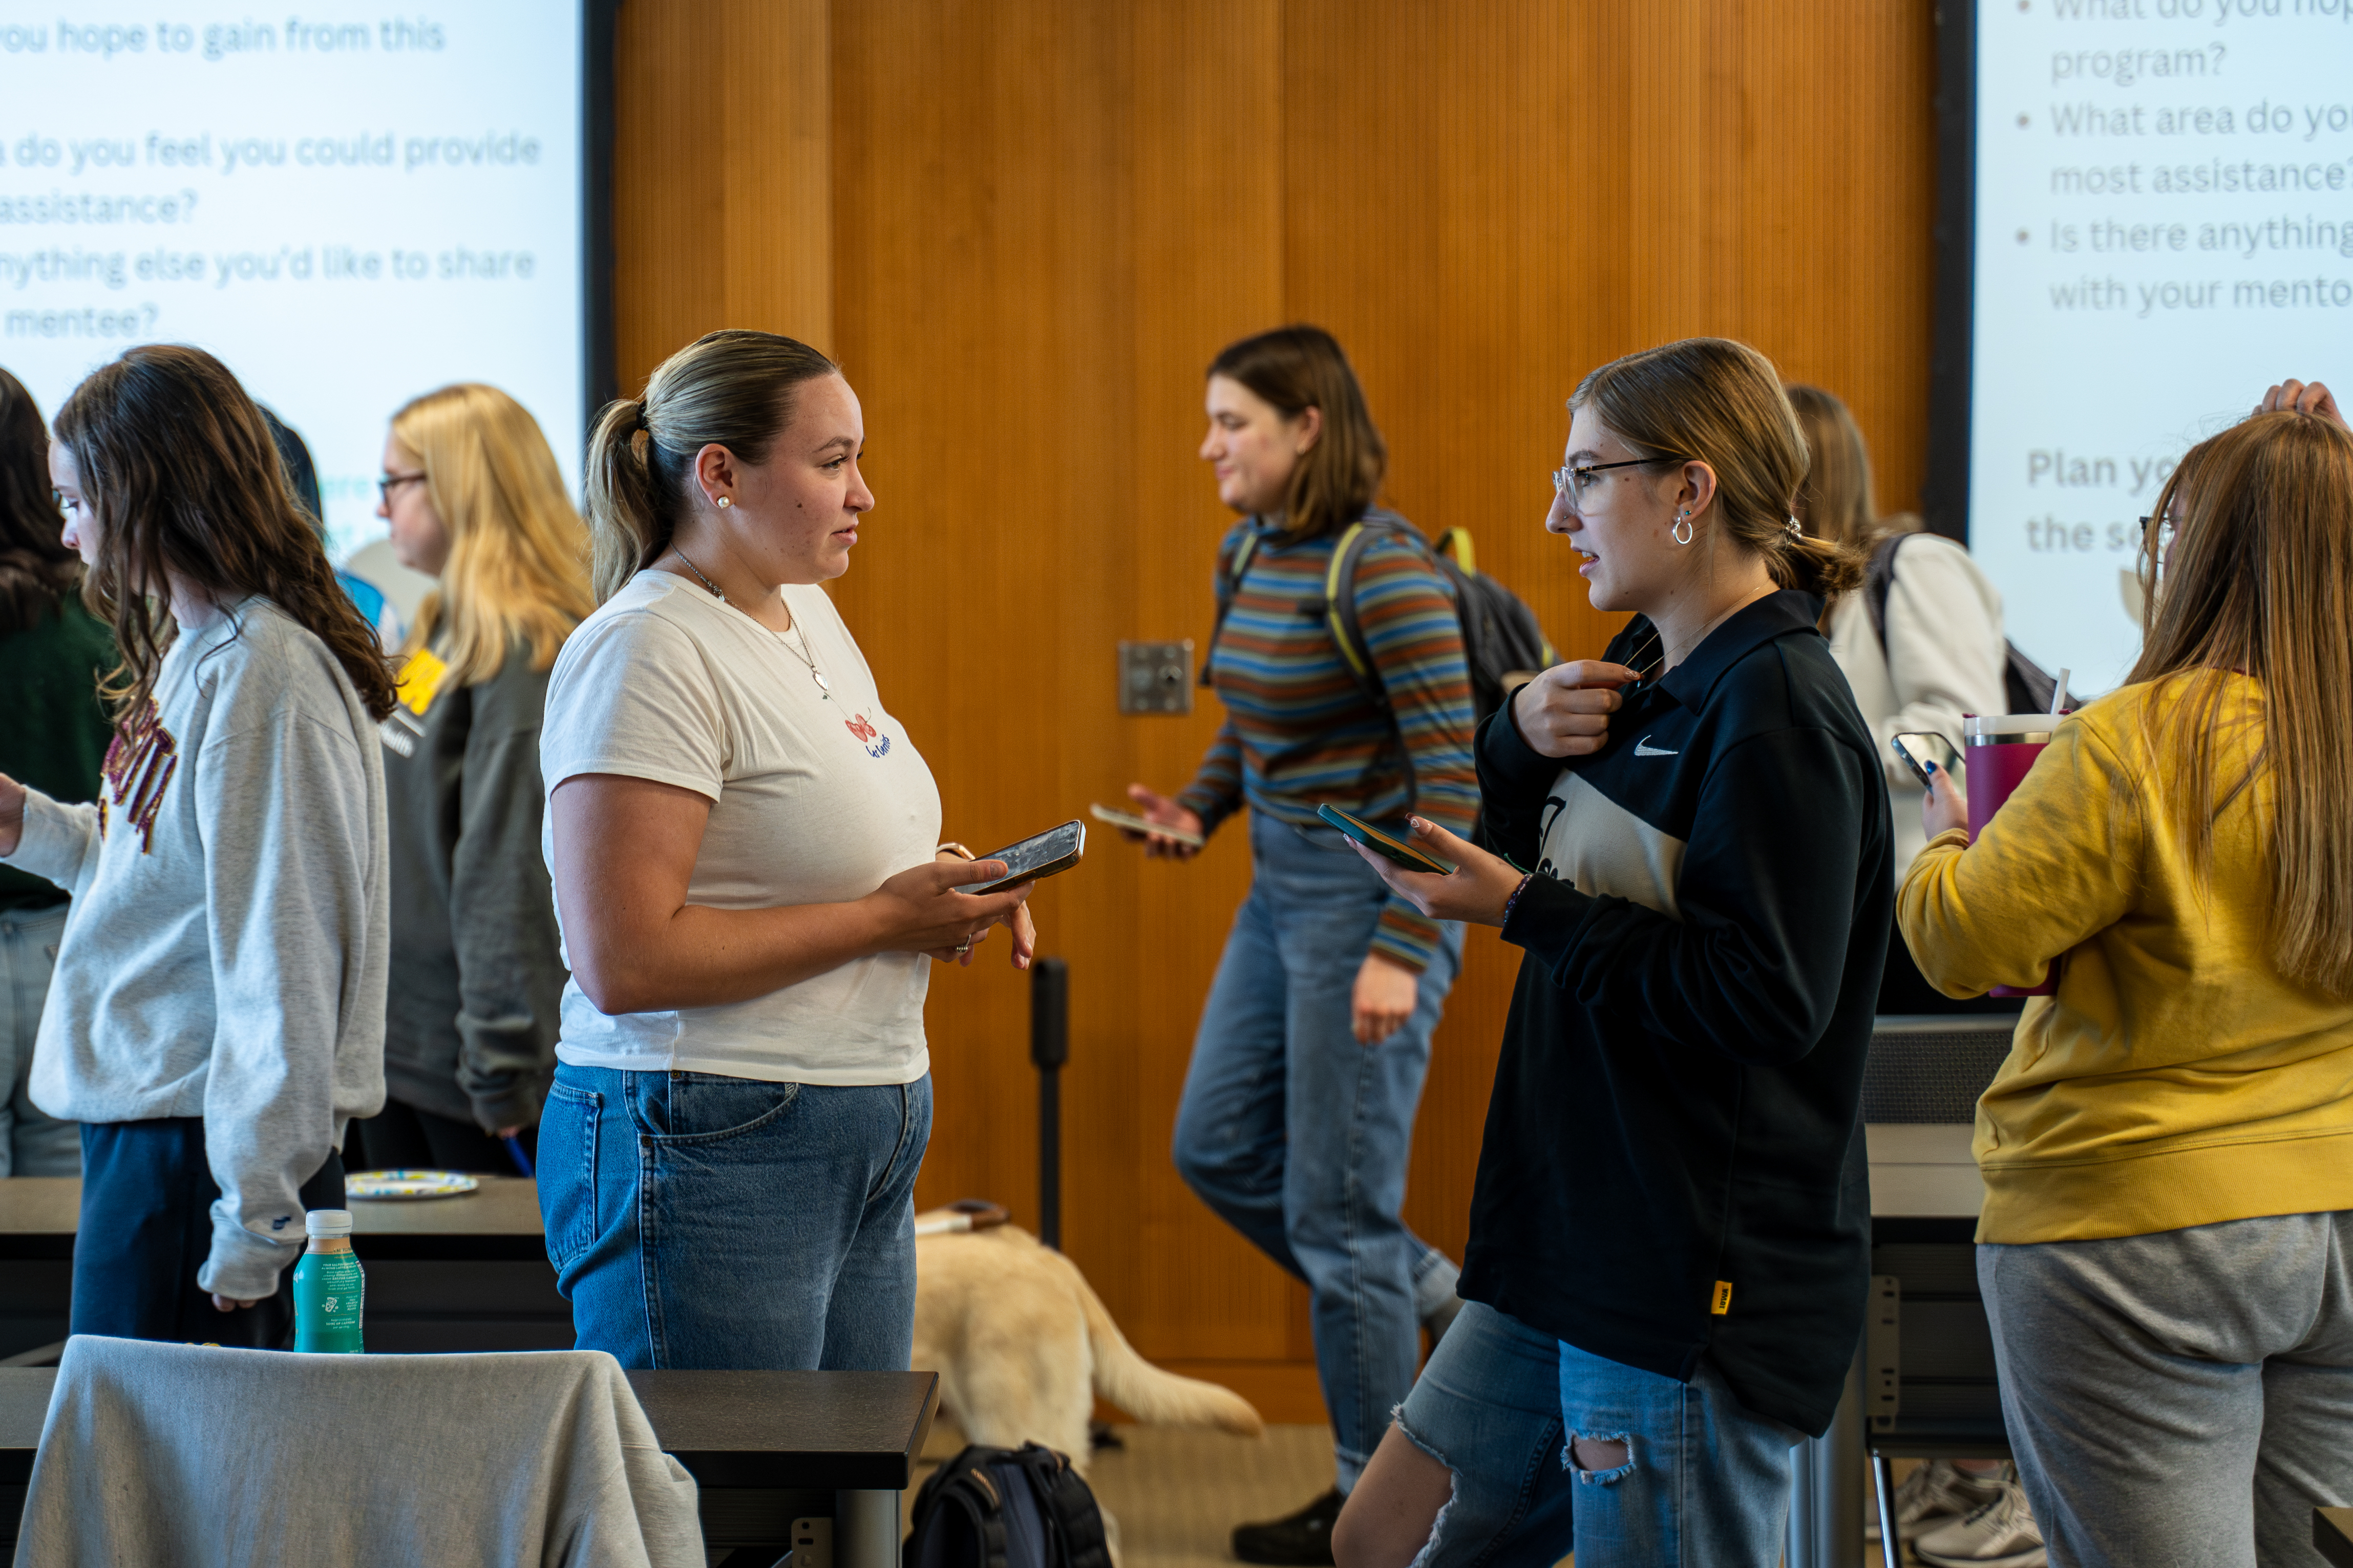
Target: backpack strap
[(962, 1485), (1878, 579), (1073, 1518), (1229, 582), (1340, 591), (1455, 542)]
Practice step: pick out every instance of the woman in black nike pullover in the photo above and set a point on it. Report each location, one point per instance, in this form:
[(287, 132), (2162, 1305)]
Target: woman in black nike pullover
[(1669, 1239)]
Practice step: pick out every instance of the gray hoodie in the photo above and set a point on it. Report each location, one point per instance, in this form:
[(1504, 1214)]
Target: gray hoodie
[(226, 953)]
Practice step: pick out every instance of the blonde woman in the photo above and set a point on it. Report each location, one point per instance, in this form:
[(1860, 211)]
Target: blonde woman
[(472, 496), (2168, 1153)]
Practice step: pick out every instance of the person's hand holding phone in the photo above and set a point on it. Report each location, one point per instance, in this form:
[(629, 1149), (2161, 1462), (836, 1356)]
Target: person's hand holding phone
[(1154, 806), (920, 910), (1565, 711), (1477, 891), (1945, 805)]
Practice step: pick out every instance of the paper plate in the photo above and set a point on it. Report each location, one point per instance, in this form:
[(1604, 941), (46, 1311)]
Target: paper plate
[(381, 1184)]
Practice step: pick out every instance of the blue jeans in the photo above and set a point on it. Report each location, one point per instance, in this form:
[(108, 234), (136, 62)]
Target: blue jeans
[(146, 1227), (1297, 1136), (1706, 1481), (697, 1220), (32, 1142)]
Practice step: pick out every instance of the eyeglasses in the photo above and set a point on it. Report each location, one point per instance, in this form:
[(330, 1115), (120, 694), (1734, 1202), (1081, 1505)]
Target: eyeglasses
[(2165, 532), (391, 483), (1577, 483)]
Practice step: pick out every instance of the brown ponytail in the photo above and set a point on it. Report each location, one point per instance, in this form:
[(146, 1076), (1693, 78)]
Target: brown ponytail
[(1717, 402), (733, 389)]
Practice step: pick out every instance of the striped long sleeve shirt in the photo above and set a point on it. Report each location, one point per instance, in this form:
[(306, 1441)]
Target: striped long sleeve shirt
[(1299, 730)]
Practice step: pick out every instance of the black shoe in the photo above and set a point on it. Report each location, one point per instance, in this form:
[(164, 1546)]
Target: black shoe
[(1303, 1539)]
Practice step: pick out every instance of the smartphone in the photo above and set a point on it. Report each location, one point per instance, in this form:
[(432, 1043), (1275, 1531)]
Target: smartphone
[(1392, 849), (1920, 749), (1134, 823), (1056, 849)]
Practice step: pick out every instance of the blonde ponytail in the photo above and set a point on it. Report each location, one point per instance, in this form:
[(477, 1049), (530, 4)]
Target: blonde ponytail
[(733, 389)]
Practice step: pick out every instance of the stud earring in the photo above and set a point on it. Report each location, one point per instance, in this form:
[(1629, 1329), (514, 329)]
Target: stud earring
[(1682, 531), (724, 503)]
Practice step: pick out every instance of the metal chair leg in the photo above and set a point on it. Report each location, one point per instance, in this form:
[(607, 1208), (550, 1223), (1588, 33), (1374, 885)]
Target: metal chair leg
[(1882, 1480)]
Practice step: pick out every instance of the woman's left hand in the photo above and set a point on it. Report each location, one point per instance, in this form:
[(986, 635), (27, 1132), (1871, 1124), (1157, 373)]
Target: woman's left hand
[(1024, 930), (1945, 805), (1477, 891), (1385, 998)]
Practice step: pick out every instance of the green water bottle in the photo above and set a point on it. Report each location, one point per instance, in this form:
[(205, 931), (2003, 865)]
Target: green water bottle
[(328, 1287)]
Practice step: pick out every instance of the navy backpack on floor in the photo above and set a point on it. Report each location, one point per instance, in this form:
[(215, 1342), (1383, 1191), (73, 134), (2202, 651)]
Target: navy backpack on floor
[(1006, 1507)]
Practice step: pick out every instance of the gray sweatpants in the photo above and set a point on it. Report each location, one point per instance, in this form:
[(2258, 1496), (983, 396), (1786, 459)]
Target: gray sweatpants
[(2183, 1398)]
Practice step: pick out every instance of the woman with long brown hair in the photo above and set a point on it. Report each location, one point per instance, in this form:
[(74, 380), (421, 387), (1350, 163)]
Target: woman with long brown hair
[(2168, 1153), (52, 656), (218, 1013), (472, 496)]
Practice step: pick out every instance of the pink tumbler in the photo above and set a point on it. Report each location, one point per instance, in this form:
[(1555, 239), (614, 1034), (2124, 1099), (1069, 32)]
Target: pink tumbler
[(2001, 748)]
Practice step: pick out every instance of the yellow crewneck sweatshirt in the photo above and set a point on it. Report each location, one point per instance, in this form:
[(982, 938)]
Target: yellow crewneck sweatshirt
[(2177, 1078)]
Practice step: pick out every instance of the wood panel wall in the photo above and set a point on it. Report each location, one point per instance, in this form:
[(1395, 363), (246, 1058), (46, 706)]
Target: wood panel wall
[(1023, 228)]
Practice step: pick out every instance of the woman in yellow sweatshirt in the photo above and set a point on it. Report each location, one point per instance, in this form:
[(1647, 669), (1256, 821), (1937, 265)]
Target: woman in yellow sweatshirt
[(2167, 1245)]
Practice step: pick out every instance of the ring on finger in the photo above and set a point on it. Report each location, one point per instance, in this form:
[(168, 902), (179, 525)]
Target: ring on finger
[(964, 947)]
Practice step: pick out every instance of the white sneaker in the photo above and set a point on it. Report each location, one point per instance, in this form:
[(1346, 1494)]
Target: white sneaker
[(1928, 1497), (1998, 1534)]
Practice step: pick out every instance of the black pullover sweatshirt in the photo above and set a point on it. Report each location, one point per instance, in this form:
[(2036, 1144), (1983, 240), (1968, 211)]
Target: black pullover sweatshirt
[(1673, 1164)]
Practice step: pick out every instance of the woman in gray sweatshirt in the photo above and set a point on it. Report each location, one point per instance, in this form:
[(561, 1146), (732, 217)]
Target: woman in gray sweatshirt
[(216, 1016)]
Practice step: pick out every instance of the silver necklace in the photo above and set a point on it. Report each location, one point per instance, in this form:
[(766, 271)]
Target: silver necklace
[(803, 654), (707, 582)]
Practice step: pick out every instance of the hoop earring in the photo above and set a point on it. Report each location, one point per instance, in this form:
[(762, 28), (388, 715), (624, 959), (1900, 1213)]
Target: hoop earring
[(1682, 531)]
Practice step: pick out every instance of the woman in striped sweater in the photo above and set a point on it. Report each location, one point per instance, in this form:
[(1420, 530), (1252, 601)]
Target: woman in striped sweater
[(1298, 1108)]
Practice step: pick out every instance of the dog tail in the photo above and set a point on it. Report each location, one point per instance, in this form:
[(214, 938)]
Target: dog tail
[(1145, 1392)]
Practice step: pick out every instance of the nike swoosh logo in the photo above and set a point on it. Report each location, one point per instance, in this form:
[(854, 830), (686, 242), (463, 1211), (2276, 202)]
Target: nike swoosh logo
[(1643, 748)]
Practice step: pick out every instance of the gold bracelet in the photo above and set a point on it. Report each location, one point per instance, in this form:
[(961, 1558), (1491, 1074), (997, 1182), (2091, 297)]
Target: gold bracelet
[(956, 849)]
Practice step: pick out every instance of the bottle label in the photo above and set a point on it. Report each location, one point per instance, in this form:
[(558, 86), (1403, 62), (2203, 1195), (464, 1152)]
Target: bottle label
[(328, 1292)]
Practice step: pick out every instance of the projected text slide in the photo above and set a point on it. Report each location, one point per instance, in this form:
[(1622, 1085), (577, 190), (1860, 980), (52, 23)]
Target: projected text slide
[(349, 204), (2163, 228)]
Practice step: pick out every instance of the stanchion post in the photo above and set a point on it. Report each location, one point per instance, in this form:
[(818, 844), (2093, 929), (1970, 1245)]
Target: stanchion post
[(1050, 1049)]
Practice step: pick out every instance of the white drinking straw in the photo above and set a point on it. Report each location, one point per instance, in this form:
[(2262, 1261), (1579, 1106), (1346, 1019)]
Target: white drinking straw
[(2059, 692)]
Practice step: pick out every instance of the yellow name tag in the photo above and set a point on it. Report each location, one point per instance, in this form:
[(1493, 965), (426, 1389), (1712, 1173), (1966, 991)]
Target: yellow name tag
[(420, 678), (1722, 1302)]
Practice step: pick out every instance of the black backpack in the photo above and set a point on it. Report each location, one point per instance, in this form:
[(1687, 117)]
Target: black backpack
[(1500, 634), (1006, 1507), (2026, 686)]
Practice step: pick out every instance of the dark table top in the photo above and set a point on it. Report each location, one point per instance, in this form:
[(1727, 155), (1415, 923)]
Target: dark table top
[(498, 1221), (2332, 1534), (858, 1431)]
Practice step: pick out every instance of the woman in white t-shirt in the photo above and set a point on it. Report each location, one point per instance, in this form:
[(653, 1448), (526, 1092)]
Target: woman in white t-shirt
[(752, 890)]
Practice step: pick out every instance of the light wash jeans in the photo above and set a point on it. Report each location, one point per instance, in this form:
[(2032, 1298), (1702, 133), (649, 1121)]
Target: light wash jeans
[(2183, 1397), (1706, 1484), (1297, 1136), (32, 1142), (696, 1220)]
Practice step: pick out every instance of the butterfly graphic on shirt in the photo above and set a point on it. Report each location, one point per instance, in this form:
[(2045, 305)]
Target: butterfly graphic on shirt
[(876, 743)]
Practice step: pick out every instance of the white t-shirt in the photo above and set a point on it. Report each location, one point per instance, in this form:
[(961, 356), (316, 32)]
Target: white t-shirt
[(817, 797)]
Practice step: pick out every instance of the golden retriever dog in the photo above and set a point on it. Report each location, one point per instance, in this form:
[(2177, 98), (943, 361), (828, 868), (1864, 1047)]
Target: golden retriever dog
[(1023, 1346)]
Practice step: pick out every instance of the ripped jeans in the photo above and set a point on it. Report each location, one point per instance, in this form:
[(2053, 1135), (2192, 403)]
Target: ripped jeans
[(1706, 1481)]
